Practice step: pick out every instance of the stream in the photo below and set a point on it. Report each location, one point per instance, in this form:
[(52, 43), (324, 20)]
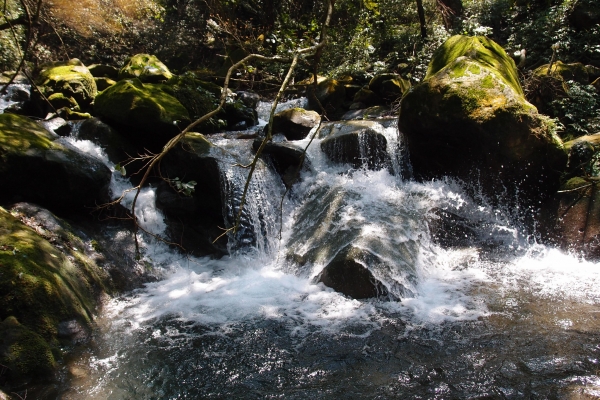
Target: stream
[(507, 318)]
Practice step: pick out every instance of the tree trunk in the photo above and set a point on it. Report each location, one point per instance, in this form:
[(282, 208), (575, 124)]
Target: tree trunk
[(421, 12)]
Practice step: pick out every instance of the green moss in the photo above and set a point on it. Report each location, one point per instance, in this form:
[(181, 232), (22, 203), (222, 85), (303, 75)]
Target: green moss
[(146, 67), (197, 143), (484, 51), (568, 72), (72, 79), (23, 351), (130, 102), (19, 133), (41, 286)]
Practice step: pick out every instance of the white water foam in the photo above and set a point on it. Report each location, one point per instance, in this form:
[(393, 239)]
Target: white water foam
[(222, 292)]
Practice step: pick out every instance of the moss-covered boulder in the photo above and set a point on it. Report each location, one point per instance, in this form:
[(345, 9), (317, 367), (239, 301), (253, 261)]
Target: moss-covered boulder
[(71, 80), (46, 282), (25, 353), (35, 166), (295, 123), (197, 96), (469, 119), (149, 113), (147, 68), (567, 72)]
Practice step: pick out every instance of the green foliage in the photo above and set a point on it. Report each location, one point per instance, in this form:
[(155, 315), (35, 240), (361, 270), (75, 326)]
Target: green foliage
[(185, 188), (578, 112)]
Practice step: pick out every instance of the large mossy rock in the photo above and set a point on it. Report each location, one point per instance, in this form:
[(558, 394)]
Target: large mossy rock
[(35, 167), (149, 113), (145, 67), (47, 284), (67, 85), (469, 119)]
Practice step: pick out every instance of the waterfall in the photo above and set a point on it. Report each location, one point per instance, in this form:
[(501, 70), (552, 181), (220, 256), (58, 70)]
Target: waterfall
[(460, 322)]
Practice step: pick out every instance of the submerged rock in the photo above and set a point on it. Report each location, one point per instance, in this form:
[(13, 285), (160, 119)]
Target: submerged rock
[(469, 119), (332, 243), (347, 274), (35, 167)]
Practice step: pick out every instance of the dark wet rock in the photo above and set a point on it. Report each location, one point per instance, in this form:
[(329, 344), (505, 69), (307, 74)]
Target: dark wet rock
[(36, 167), (367, 97), (194, 221), (239, 116), (346, 274), (584, 15), (571, 219), (103, 83), (58, 125), (331, 95), (250, 99), (117, 148), (355, 143), (389, 87), (366, 113), (287, 158)]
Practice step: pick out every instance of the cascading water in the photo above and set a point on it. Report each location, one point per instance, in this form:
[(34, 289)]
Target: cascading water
[(519, 321)]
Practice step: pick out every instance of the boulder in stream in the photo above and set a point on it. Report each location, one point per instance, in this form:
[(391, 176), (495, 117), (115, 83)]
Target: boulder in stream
[(67, 84), (295, 123), (35, 166), (356, 143), (193, 220), (149, 114), (48, 282), (469, 119)]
